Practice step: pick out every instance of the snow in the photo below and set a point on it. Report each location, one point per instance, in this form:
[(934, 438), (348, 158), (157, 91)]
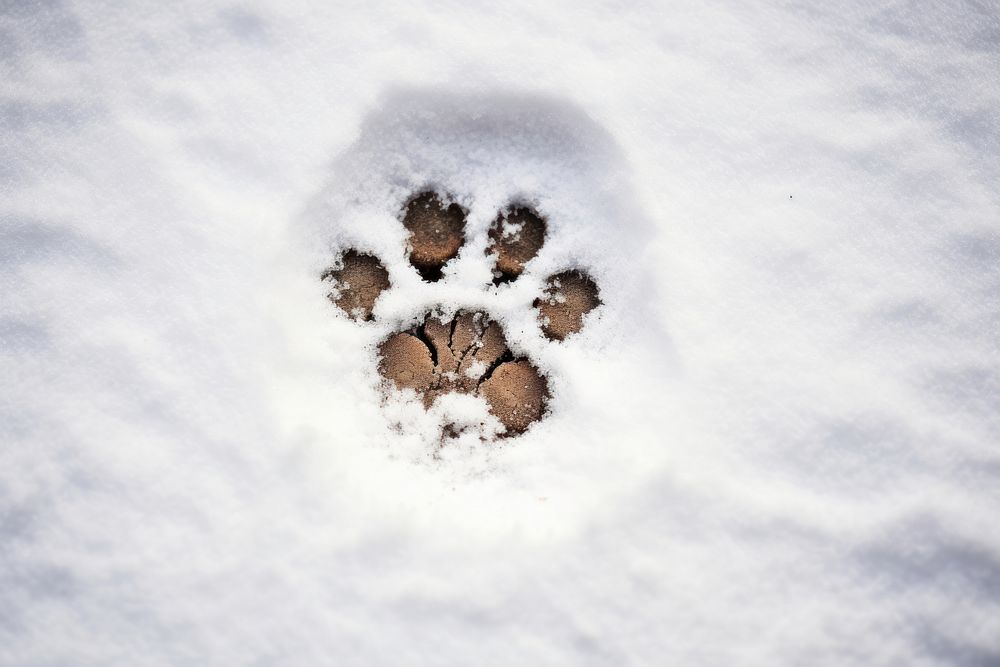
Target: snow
[(775, 443)]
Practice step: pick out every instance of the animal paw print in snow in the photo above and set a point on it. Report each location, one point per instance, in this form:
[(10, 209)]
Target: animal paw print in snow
[(468, 353)]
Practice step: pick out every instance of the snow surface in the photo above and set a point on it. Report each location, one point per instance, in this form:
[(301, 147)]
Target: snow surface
[(776, 443)]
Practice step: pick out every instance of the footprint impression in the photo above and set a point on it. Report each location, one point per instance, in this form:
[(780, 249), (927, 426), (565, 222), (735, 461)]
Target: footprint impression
[(466, 352)]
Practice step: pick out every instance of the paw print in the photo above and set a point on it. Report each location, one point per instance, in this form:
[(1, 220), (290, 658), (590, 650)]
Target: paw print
[(466, 351)]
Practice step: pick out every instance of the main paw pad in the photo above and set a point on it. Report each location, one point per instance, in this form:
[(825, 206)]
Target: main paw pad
[(466, 352)]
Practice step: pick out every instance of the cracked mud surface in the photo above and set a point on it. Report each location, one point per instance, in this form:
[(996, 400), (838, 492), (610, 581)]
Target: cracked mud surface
[(467, 354)]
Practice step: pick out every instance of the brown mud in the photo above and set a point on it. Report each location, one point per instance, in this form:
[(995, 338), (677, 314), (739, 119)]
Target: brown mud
[(468, 354), (567, 298), (357, 284), (516, 236), (437, 232)]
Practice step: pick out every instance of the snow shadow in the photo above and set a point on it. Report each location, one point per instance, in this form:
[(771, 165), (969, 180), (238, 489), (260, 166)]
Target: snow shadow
[(487, 151)]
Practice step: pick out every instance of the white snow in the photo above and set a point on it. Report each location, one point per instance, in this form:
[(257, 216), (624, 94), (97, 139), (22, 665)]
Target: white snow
[(777, 442)]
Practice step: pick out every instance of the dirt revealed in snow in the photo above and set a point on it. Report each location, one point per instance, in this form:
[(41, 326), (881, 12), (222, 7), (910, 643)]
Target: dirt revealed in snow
[(357, 284), (516, 236), (467, 354), (436, 233), (568, 297)]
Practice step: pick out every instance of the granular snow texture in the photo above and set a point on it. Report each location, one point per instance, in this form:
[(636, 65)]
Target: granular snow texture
[(776, 441)]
